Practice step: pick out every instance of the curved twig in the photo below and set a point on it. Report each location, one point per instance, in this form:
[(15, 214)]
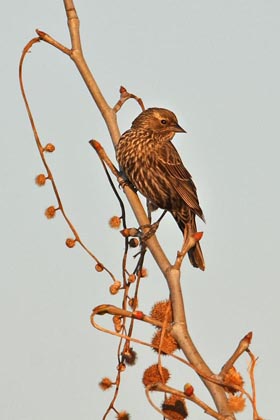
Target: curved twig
[(44, 161)]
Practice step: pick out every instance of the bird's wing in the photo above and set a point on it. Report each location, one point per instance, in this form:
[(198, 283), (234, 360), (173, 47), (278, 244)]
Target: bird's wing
[(170, 162)]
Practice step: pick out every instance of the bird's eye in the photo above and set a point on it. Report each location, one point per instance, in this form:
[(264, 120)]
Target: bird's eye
[(163, 121)]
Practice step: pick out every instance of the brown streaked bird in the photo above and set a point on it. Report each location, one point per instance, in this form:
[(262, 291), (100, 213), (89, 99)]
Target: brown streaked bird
[(152, 164)]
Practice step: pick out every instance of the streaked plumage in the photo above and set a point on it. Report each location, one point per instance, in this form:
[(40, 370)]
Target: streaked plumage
[(152, 164)]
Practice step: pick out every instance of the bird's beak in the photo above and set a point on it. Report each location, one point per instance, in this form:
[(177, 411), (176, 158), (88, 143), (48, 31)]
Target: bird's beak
[(178, 129)]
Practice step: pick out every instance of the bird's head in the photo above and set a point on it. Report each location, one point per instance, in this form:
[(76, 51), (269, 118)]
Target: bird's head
[(159, 120)]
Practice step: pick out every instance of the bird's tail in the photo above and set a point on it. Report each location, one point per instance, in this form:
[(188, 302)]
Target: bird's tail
[(195, 253), (196, 257)]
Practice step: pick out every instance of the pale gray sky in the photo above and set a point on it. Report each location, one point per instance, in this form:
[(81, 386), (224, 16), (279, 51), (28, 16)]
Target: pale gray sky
[(216, 65)]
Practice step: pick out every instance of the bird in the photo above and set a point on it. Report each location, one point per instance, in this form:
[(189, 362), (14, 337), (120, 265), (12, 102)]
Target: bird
[(151, 163)]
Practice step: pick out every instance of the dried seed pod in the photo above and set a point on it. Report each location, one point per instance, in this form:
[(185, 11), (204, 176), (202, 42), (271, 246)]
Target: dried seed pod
[(236, 403), (105, 384), (167, 343), (161, 311), (175, 407), (130, 356), (70, 242), (49, 148), (115, 222), (41, 179), (154, 374), (115, 287), (50, 212), (99, 267)]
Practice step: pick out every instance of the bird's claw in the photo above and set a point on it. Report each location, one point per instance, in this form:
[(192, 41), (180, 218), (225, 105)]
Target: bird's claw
[(152, 230), (124, 182)]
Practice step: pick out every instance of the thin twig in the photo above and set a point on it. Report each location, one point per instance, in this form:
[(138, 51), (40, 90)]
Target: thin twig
[(253, 384), (47, 38), (124, 96), (41, 150)]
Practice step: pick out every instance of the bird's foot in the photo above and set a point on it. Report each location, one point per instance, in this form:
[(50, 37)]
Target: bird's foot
[(124, 182), (152, 228)]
